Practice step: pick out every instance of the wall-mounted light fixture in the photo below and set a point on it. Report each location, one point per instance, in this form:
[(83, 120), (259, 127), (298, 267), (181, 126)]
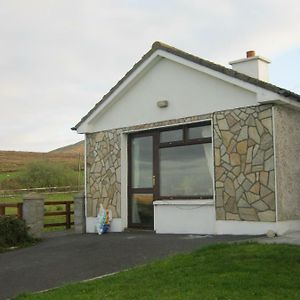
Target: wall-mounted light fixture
[(162, 103)]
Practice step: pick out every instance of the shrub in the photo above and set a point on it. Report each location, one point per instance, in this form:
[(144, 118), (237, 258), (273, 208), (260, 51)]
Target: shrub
[(47, 174), (13, 232)]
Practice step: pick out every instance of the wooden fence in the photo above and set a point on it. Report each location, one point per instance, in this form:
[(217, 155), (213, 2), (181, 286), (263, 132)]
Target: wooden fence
[(43, 190), (67, 212), (18, 206)]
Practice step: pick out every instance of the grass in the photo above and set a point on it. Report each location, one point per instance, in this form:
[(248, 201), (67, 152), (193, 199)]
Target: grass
[(6, 175), (48, 197), (224, 271), (23, 245)]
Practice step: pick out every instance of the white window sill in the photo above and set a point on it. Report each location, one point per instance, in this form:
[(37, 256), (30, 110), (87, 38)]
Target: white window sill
[(198, 202)]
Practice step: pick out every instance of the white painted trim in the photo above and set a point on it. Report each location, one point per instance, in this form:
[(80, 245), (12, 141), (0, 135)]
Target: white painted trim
[(124, 180), (256, 57), (214, 166), (256, 228), (115, 226), (90, 224), (221, 227), (188, 202), (266, 97), (291, 103), (244, 227), (275, 163), (85, 175), (288, 226)]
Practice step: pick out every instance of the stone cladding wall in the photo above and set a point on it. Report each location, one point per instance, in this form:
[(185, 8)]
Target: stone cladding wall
[(104, 172), (244, 164), (104, 165), (243, 155)]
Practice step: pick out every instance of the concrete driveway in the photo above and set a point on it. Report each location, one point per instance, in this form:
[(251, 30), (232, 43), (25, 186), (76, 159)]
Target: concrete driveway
[(60, 260)]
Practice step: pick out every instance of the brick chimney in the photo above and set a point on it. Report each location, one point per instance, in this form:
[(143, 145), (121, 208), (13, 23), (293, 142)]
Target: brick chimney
[(253, 66)]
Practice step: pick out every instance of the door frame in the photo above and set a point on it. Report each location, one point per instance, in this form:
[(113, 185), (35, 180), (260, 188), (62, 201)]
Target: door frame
[(154, 189)]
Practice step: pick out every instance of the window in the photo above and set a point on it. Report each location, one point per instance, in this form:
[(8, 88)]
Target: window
[(185, 166), (170, 163), (171, 135), (142, 164)]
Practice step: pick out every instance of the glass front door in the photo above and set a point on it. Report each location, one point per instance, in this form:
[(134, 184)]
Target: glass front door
[(141, 181)]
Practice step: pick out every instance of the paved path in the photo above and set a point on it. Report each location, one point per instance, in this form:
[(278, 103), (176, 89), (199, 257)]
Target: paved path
[(288, 238), (64, 259)]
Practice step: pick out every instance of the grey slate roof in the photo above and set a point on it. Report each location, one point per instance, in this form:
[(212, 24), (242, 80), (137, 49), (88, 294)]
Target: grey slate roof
[(159, 45)]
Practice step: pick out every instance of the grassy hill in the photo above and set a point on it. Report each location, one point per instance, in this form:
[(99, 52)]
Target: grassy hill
[(70, 149), (12, 161)]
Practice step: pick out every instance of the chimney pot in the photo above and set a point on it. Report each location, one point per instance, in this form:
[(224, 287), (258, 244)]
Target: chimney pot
[(250, 53)]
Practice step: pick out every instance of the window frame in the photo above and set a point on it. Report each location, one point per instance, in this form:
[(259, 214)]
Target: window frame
[(184, 142), (155, 133)]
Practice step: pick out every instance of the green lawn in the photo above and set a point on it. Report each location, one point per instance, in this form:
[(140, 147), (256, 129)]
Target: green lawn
[(227, 271)]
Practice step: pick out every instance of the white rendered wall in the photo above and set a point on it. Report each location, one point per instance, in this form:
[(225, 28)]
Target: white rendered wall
[(198, 221), (115, 226), (187, 216), (189, 92)]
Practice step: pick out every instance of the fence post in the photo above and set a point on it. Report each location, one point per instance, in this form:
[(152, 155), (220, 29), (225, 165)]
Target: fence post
[(79, 213), (20, 210), (2, 210), (68, 215), (33, 213)]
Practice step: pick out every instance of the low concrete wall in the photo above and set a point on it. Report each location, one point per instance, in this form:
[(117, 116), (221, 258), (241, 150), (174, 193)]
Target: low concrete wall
[(184, 217), (33, 213)]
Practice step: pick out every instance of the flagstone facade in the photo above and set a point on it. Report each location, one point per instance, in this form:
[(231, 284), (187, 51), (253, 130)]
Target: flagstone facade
[(243, 157), (244, 164)]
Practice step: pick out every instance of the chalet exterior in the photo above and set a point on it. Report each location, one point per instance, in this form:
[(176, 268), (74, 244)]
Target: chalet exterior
[(182, 145)]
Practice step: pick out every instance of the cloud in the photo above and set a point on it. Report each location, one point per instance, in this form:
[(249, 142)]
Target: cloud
[(57, 58)]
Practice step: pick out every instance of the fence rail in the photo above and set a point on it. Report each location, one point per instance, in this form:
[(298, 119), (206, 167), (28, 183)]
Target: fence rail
[(68, 212), (52, 189), (18, 206)]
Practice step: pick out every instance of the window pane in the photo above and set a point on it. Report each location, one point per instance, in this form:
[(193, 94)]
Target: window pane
[(142, 209), (142, 169), (186, 170), (171, 135), (199, 132)]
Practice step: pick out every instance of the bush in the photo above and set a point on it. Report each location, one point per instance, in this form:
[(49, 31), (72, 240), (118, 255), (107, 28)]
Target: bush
[(47, 174), (13, 232)]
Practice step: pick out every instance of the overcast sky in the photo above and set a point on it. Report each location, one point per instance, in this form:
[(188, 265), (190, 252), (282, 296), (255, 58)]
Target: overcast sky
[(58, 58)]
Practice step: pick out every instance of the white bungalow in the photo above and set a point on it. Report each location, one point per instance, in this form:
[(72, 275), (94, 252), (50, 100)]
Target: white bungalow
[(183, 145)]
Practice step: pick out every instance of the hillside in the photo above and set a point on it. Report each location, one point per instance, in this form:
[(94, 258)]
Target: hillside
[(74, 148), (11, 161)]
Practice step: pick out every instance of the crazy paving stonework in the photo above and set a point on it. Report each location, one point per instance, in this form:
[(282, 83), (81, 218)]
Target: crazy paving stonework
[(104, 164), (104, 172), (244, 164)]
